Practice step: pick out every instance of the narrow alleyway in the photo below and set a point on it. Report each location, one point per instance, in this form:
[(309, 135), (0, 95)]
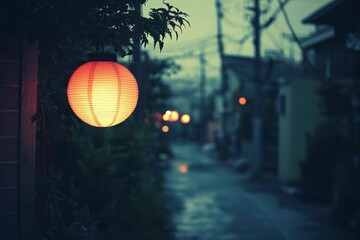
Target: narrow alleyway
[(212, 202)]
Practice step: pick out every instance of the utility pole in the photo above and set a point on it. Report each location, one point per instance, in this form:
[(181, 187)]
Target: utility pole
[(290, 40), (224, 77), (203, 123), (257, 118)]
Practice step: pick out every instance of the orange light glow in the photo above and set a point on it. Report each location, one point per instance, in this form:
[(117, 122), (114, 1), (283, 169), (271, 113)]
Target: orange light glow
[(185, 119), (183, 168), (165, 129), (174, 116), (242, 101), (166, 117), (103, 93)]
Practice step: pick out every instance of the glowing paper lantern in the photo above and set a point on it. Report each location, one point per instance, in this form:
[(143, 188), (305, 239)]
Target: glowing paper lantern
[(185, 119), (242, 101), (102, 93)]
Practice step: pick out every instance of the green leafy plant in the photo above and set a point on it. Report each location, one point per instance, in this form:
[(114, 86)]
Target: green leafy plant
[(107, 178), (97, 23)]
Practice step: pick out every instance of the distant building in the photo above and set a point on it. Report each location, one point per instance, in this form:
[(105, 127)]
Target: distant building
[(334, 51), (299, 113), (240, 72), (333, 46)]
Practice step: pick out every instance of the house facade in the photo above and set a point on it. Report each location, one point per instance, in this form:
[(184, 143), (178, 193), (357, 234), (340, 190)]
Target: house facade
[(299, 113), (240, 70), (333, 50)]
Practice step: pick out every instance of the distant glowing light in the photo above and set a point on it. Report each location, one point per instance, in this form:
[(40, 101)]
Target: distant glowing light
[(242, 101), (174, 116), (166, 117), (183, 168), (170, 116), (165, 129), (185, 119)]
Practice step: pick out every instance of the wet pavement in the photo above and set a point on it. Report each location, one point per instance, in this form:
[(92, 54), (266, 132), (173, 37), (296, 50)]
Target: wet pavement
[(210, 201)]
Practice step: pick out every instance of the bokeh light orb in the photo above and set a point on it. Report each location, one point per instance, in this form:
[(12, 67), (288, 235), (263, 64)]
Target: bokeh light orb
[(185, 119), (183, 168), (165, 129), (166, 117), (174, 116), (242, 101)]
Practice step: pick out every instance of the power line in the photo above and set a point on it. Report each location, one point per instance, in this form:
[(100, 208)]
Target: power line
[(317, 74), (199, 40), (230, 23), (230, 6), (307, 1), (228, 20), (207, 42), (273, 40), (263, 26), (274, 15), (189, 54), (241, 40)]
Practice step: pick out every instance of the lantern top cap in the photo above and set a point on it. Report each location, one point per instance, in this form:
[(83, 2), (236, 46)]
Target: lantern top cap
[(109, 57)]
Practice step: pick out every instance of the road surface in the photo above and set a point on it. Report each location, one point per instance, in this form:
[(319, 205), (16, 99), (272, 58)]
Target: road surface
[(210, 201)]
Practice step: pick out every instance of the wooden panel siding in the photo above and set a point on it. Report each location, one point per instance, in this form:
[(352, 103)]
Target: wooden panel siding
[(10, 77), (8, 177), (9, 226), (9, 126), (6, 203), (10, 71), (18, 83), (28, 139), (12, 149), (9, 98)]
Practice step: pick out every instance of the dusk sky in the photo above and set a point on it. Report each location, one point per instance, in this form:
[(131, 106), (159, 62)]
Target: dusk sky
[(202, 33)]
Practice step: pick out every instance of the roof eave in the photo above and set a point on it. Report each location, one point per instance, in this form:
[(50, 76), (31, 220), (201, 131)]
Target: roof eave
[(312, 18)]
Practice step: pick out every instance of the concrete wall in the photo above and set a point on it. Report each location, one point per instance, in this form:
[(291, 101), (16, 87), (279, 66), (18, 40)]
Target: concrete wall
[(300, 115)]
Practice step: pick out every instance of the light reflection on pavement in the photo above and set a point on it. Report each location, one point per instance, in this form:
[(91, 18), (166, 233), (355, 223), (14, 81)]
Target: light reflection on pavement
[(211, 203)]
